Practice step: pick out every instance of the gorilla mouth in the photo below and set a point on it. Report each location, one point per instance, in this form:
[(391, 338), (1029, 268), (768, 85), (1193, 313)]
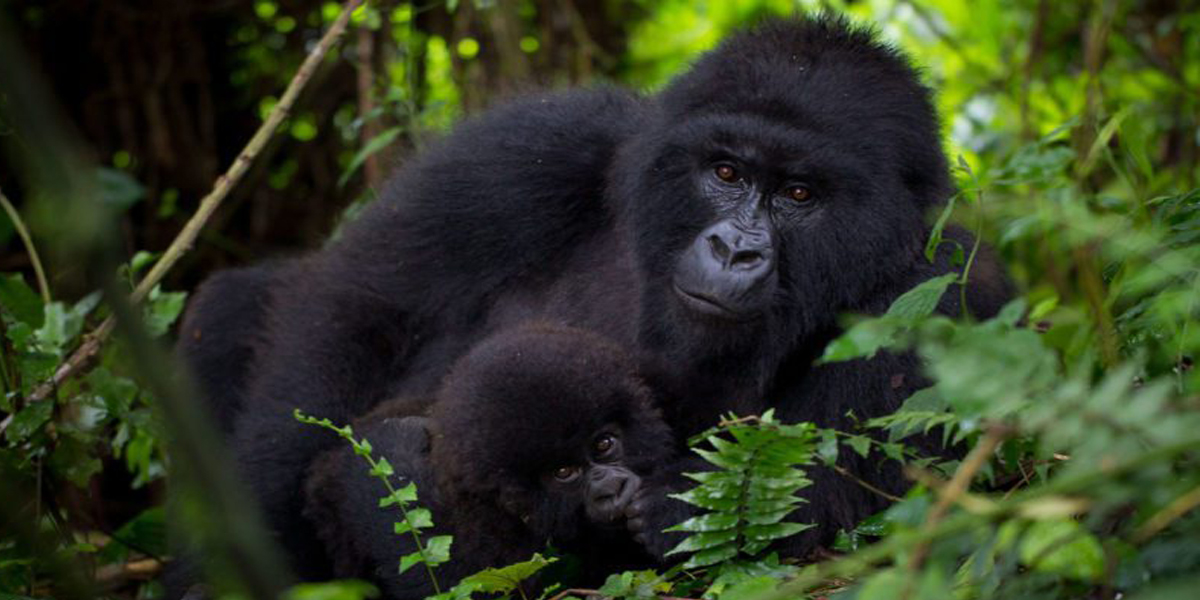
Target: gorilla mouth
[(708, 306)]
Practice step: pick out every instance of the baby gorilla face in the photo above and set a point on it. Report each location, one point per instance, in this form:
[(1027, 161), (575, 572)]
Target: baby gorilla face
[(552, 426), (603, 484)]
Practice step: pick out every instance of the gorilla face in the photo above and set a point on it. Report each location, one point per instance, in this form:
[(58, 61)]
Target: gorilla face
[(552, 426), (781, 182), (600, 480)]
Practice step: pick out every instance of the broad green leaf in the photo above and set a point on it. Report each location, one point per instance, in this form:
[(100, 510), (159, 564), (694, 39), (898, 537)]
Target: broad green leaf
[(28, 420), (409, 561), (506, 579), (1064, 547), (382, 468), (407, 493), (922, 300), (420, 519), (342, 589), (863, 339), (19, 300), (119, 189), (437, 549), (751, 588)]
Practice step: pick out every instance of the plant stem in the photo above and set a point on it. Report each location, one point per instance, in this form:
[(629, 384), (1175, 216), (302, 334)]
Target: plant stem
[(34, 259), (82, 356)]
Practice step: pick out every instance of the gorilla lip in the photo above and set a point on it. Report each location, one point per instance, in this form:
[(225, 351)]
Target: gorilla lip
[(707, 306)]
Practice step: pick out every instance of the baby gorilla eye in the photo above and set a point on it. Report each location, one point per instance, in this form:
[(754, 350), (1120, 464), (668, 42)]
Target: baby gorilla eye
[(605, 443), (566, 474), (726, 173), (799, 193)]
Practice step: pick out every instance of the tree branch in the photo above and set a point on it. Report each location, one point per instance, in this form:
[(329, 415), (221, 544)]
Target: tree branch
[(82, 356)]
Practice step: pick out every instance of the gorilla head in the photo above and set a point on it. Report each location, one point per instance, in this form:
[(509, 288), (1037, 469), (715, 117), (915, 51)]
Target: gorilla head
[(785, 181), (549, 424)]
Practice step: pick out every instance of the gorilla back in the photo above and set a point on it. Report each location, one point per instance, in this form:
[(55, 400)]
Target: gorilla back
[(716, 230)]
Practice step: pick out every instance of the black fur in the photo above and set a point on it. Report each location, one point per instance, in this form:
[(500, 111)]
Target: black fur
[(513, 410), (577, 207), (221, 332)]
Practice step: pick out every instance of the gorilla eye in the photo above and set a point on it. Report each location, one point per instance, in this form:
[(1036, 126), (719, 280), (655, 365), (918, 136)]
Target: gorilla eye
[(604, 444), (799, 193), (726, 173), (565, 474)]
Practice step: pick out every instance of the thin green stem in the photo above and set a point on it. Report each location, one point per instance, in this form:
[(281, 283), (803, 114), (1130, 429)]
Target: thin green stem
[(412, 529), (966, 273), (34, 259)]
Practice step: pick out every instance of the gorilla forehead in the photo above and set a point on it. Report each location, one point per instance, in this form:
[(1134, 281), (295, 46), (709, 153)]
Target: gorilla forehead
[(537, 395), (785, 148), (799, 70)]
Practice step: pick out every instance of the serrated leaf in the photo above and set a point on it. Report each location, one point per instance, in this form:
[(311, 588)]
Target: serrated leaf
[(382, 468), (506, 579), (863, 340), (409, 561), (407, 493), (437, 549), (419, 518), (922, 300)]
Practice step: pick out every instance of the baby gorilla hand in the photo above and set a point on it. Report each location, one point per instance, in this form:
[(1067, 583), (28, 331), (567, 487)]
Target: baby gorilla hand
[(610, 490), (650, 512)]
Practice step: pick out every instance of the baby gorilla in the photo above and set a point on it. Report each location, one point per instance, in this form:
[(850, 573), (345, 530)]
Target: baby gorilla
[(539, 435)]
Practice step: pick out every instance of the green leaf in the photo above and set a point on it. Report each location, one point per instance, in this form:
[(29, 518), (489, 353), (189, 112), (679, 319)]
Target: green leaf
[(506, 579), (708, 522), (19, 300), (1063, 547), (376, 144), (29, 420), (863, 340), (748, 589), (118, 189), (344, 589), (922, 300), (162, 309), (407, 493), (410, 560), (437, 549), (860, 443), (382, 468), (711, 556), (704, 541), (418, 518)]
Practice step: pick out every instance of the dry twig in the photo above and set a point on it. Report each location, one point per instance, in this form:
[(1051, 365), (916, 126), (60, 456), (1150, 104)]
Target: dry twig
[(82, 356)]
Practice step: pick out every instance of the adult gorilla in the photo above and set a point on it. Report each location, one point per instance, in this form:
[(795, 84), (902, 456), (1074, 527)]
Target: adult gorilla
[(717, 230)]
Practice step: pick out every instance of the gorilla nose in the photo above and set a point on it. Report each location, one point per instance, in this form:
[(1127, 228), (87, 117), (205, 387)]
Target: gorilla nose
[(728, 270), (739, 250), (609, 491)]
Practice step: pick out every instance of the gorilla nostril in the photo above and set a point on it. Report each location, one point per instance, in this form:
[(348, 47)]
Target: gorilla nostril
[(719, 248)]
